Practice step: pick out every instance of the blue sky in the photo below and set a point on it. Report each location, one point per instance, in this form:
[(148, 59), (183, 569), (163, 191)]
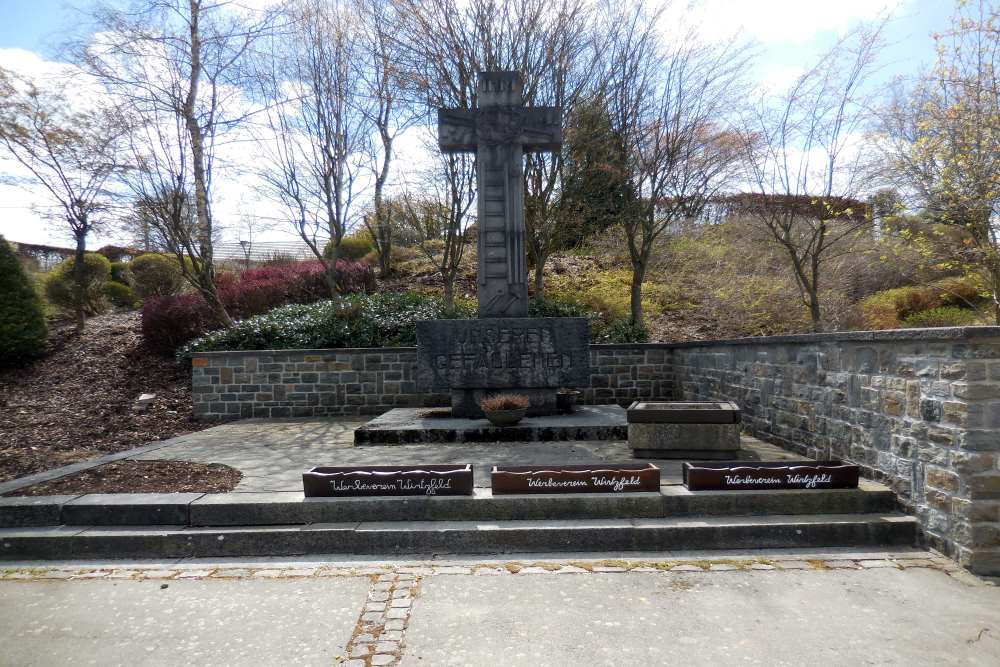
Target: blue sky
[(789, 34)]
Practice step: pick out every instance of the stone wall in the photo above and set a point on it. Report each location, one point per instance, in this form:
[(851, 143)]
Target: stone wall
[(366, 381), (918, 409)]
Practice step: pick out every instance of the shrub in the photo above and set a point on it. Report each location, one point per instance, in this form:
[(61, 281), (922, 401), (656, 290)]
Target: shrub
[(119, 294), (155, 275), (22, 320), (504, 402), (943, 316), (894, 308), (354, 276), (352, 247), (624, 330), (961, 290), (252, 292), (60, 285), (170, 321), (360, 320), (120, 273), (603, 328)]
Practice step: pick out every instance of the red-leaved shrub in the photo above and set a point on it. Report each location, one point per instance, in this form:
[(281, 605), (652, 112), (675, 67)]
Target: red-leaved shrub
[(169, 322)]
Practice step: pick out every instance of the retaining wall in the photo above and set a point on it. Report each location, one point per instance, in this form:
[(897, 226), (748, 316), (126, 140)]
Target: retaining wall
[(365, 381), (918, 409)]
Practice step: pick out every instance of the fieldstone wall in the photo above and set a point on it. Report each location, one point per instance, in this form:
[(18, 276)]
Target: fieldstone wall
[(918, 409), (366, 381)]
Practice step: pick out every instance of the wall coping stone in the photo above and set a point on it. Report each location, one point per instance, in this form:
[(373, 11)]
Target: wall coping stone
[(377, 350), (886, 335)]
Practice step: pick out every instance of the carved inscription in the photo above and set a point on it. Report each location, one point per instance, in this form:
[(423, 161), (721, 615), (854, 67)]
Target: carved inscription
[(503, 353), (503, 348)]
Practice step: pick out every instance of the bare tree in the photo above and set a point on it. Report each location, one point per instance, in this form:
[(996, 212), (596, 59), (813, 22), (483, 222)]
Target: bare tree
[(668, 108), (803, 160), (318, 127), (943, 141), (439, 216), (74, 155), (553, 46), (389, 109), (177, 65)]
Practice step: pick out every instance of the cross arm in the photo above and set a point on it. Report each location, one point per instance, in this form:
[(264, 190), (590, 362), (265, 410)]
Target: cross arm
[(541, 129), (456, 130)]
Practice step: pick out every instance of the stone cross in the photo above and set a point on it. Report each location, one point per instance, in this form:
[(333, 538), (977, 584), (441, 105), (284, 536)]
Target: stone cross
[(499, 131)]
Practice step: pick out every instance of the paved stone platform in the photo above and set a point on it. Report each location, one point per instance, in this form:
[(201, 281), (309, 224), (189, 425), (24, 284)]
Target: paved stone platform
[(430, 425), (273, 454)]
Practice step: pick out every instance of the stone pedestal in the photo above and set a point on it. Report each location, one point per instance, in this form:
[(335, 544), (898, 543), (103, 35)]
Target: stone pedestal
[(523, 355), (684, 430)]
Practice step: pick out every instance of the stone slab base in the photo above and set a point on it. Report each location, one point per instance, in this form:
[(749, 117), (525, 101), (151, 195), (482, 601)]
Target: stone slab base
[(686, 438), (422, 425)]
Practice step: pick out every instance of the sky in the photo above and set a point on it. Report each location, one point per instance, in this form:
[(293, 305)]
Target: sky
[(788, 34)]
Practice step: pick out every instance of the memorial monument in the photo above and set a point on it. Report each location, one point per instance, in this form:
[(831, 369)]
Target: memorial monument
[(504, 350)]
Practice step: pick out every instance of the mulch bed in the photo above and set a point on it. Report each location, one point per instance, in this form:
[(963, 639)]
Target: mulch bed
[(142, 477), (76, 403)]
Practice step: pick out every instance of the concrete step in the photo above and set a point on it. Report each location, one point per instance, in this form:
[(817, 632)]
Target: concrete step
[(461, 537), (255, 509)]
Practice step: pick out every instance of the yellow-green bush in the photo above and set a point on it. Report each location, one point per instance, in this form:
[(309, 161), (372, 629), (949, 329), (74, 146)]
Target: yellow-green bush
[(119, 294), (894, 308), (354, 247), (60, 287), (153, 274), (606, 291), (943, 316)]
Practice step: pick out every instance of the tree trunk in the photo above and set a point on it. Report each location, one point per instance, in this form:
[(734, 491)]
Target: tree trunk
[(330, 275), (815, 314), (539, 279), (79, 276), (638, 275), (449, 292), (207, 269)]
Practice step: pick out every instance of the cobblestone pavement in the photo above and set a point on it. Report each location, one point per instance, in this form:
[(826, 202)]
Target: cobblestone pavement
[(788, 608), (273, 454)]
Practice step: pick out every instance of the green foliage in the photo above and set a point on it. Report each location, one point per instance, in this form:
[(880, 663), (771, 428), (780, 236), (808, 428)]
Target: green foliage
[(902, 306), (358, 320), (607, 292), (943, 316), (596, 192), (119, 294), (603, 328), (155, 275), (624, 330), (355, 246), (120, 273), (22, 320), (60, 286)]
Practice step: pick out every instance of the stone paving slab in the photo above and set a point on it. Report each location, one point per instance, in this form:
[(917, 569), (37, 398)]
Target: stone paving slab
[(272, 455), (875, 616), (193, 621)]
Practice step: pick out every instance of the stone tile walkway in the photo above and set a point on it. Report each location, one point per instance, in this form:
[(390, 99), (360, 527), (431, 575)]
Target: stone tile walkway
[(273, 454)]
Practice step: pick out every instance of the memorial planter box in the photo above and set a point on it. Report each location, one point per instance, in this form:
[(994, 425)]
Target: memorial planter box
[(757, 475), (597, 478), (675, 430), (363, 481)]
